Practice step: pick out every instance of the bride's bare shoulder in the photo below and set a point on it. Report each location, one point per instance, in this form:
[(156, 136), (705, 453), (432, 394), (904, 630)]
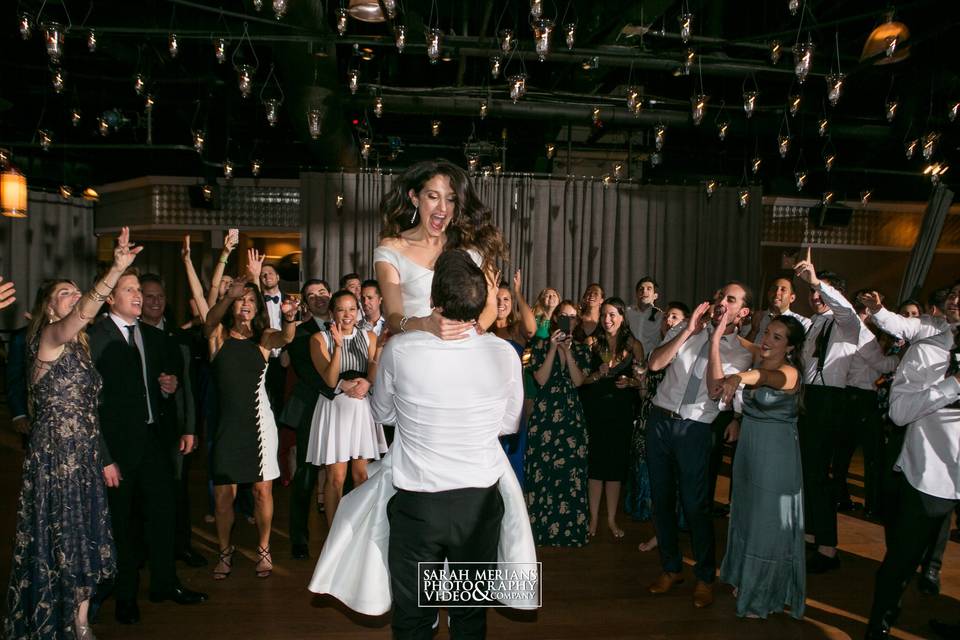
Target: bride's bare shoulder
[(394, 243)]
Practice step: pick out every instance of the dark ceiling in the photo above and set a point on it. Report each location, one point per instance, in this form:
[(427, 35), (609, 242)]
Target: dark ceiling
[(628, 43)]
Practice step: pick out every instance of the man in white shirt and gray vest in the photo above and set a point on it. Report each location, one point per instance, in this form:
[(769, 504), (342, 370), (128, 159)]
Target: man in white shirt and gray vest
[(644, 318), (449, 400), (679, 435)]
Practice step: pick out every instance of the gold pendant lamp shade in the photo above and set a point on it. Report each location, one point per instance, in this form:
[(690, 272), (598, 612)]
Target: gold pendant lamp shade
[(889, 41), (13, 190)]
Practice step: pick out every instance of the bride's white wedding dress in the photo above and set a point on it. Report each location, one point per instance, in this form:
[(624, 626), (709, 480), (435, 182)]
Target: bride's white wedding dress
[(353, 564)]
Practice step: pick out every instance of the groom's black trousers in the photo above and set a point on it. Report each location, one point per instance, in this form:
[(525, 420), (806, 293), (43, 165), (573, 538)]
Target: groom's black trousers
[(462, 525)]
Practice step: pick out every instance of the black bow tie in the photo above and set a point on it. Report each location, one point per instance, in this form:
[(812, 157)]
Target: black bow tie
[(273, 299)]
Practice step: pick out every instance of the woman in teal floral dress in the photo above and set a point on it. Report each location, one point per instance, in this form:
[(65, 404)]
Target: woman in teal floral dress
[(556, 456)]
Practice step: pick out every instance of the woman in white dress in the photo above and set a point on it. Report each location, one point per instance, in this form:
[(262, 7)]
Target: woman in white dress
[(432, 206), (343, 428)]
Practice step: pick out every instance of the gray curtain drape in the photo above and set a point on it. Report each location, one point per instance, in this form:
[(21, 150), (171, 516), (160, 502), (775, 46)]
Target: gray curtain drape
[(56, 240), (562, 233), (922, 254)]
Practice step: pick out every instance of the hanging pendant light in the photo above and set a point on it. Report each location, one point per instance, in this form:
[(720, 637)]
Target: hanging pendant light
[(698, 108), (435, 128), (952, 111), (53, 38), (686, 25), (828, 160), (497, 168), (258, 5), (536, 8), (495, 66), (891, 110), (570, 32), (823, 127), (228, 169), (935, 171), (353, 80), (659, 136), (58, 80), (542, 32), (688, 58), (802, 60), (255, 166), (473, 162), (245, 73), (92, 41), (776, 50), (271, 107), (710, 186), (506, 40), (783, 145), (279, 8), (75, 117), (551, 150), (365, 147), (656, 159), (795, 101), (25, 26), (800, 179), (722, 128), (341, 21), (484, 108), (930, 144), (827, 199), (595, 116), (314, 119), (911, 148), (373, 10), (220, 50), (633, 98), (518, 86), (13, 190), (749, 102), (755, 165), (434, 44), (199, 139), (139, 84), (743, 198), (103, 127), (148, 103), (793, 6), (865, 196), (400, 37), (46, 139), (173, 46), (378, 107), (889, 39), (834, 87)]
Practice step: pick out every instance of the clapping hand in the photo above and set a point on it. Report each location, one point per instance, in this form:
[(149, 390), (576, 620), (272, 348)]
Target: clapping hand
[(125, 252), (806, 271), (336, 334)]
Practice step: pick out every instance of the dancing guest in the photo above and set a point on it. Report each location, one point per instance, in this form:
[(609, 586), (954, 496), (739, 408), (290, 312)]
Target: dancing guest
[(371, 301), (779, 298), (450, 400), (609, 414), (298, 410), (924, 397), (831, 342), (154, 310), (245, 444), (431, 207), (588, 324), (679, 435), (343, 430), (140, 369), (63, 547), (543, 310), (765, 559), (555, 462), (909, 309), (644, 318), (517, 330), (638, 502)]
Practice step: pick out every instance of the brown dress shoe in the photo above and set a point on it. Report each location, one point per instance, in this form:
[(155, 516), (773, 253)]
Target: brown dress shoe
[(665, 582), (702, 594)]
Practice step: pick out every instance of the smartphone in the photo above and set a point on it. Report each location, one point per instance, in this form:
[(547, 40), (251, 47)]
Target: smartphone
[(563, 323)]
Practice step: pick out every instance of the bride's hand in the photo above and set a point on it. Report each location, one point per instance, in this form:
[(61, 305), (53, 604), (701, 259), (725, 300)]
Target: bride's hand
[(447, 329)]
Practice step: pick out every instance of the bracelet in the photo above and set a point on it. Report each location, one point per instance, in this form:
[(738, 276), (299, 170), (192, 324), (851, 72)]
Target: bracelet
[(96, 296), (283, 319), (224, 259), (403, 324)]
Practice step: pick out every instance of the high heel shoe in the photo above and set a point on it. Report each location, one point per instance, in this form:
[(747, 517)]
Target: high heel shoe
[(264, 553), (226, 559), (84, 632)]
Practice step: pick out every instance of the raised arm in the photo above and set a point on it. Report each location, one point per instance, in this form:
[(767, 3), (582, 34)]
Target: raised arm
[(714, 363), (212, 322), (528, 323), (665, 353), (230, 242), (919, 388), (193, 281), (255, 265), (66, 329)]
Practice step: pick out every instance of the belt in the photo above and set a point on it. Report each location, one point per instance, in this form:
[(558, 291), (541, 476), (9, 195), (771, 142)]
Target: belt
[(667, 412)]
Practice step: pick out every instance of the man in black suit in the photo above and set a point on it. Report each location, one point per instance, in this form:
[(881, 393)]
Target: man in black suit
[(154, 314), (298, 412), (139, 368)]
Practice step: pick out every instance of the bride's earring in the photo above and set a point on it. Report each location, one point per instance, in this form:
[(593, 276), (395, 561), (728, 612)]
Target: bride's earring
[(416, 210)]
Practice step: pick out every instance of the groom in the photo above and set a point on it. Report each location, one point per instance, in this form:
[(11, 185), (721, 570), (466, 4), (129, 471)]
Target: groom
[(449, 400)]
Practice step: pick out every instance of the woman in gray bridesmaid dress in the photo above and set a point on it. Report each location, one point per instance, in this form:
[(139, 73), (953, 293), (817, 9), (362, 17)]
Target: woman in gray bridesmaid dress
[(765, 560)]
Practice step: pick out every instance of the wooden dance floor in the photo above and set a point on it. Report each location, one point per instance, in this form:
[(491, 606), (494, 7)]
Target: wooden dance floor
[(595, 592)]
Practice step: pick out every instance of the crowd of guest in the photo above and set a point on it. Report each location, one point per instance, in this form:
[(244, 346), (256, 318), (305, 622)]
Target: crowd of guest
[(628, 409)]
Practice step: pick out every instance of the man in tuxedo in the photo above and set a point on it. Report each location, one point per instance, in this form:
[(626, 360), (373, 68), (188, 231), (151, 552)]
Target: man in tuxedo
[(644, 318), (139, 368), (450, 400), (276, 372), (298, 412), (154, 314)]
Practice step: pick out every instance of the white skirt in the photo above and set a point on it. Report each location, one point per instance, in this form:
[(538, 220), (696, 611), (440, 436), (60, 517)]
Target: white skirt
[(344, 429)]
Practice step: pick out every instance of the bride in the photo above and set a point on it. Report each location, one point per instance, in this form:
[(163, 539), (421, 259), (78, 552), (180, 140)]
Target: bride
[(431, 207)]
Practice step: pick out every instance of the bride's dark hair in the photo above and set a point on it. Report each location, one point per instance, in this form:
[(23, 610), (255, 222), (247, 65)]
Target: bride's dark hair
[(472, 224)]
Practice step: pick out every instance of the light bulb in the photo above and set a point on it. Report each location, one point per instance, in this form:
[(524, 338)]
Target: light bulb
[(828, 161), (75, 117), (220, 50), (828, 197), (353, 80), (793, 6), (506, 40), (930, 144), (46, 139), (659, 136), (148, 103), (935, 171), (389, 8), (891, 47), (688, 58), (199, 138), (743, 198), (536, 8), (570, 31), (551, 150), (279, 8), (783, 145), (341, 21), (617, 170), (138, 84), (271, 107), (911, 148), (595, 116), (172, 45), (698, 107), (542, 32), (834, 88), (314, 118), (245, 79), (400, 37), (255, 166), (518, 86), (755, 165), (434, 44), (800, 179), (495, 66), (365, 146), (686, 24), (378, 107), (865, 196), (25, 26), (228, 169), (338, 201), (58, 80), (258, 5), (483, 109), (823, 127), (795, 101), (53, 37), (749, 102), (891, 110), (952, 111), (91, 41), (722, 127), (710, 186), (435, 128), (473, 162), (66, 191), (497, 168), (802, 60), (776, 50), (103, 127)]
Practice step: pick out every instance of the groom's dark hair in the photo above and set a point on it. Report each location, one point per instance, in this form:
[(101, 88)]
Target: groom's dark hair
[(459, 286)]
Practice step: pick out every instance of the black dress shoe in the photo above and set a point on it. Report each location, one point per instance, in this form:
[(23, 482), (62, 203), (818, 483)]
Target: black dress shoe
[(876, 633), (929, 583), (191, 558), (127, 612), (819, 563), (180, 595), (300, 552), (946, 630)]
